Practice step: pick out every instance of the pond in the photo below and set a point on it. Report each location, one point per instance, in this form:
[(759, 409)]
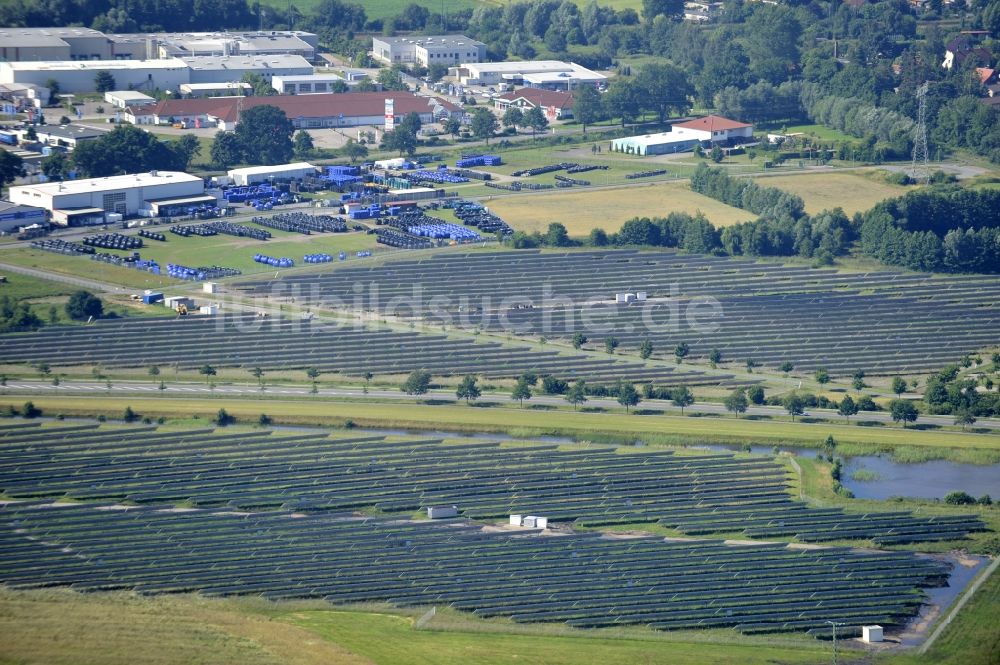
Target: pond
[(883, 478), (926, 480)]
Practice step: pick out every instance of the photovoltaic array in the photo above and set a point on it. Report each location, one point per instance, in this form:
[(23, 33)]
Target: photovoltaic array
[(879, 322), (286, 344), (699, 494), (584, 580)]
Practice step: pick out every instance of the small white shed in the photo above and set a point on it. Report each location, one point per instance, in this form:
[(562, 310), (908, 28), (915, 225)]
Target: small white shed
[(122, 98), (442, 512), (871, 634)]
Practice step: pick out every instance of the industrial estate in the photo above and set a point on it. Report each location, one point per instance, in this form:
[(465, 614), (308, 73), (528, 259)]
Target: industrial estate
[(545, 332)]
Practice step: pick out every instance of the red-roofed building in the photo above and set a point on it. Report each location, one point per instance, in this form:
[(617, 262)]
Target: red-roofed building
[(348, 109), (684, 136), (557, 105), (986, 75), (715, 128)]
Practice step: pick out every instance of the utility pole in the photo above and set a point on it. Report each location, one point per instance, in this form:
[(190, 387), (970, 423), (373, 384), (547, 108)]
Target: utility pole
[(920, 169), (834, 624)]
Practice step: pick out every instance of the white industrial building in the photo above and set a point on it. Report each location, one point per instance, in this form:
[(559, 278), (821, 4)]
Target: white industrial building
[(44, 44), (545, 74), (25, 96), (270, 42), (255, 174), (683, 136), (50, 44), (66, 136), (149, 75), (305, 84), (426, 51), (215, 69), (122, 98), (74, 76), (78, 201)]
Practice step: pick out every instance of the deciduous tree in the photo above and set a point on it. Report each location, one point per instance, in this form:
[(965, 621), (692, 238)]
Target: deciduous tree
[(468, 390)]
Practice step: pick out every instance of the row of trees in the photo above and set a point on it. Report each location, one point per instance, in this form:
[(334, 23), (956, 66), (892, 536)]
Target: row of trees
[(130, 15), (944, 228), (822, 236), (746, 194)]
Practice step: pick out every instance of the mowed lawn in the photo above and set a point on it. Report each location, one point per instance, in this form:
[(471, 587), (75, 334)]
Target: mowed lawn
[(825, 191), (581, 210)]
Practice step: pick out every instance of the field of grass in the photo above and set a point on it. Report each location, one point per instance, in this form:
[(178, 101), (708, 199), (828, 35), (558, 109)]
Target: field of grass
[(526, 422), (61, 627), (22, 287), (223, 250), (391, 639), (581, 210), (817, 131), (824, 191), (57, 627)]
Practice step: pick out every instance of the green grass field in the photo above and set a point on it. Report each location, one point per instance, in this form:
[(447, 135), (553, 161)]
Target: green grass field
[(23, 287), (585, 426), (222, 250), (581, 210), (61, 627), (853, 192), (817, 131)]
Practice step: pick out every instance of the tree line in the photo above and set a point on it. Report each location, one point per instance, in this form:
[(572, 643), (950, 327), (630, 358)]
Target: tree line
[(943, 228), (946, 229)]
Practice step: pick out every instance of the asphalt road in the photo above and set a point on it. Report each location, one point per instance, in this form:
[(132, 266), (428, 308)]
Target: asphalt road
[(236, 390)]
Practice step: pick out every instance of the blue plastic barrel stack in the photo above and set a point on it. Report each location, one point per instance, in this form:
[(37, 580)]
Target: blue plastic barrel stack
[(282, 262), (317, 258), (441, 175), (443, 230), (341, 175), (468, 161)]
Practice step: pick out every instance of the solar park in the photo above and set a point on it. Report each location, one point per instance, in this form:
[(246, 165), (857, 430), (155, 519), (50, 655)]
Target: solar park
[(591, 486), (278, 344), (277, 517), (879, 322)]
